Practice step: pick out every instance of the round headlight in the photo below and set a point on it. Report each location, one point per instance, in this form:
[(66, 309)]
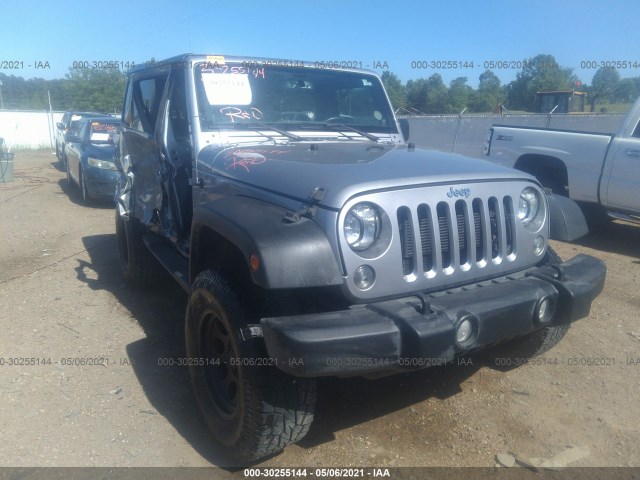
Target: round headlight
[(362, 226), (528, 205)]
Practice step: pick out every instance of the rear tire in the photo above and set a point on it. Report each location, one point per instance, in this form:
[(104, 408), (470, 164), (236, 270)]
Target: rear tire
[(251, 408), (138, 266)]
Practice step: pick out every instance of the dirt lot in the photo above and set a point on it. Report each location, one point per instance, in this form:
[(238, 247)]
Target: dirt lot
[(62, 299)]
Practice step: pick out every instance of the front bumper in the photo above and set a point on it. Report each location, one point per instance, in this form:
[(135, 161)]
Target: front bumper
[(420, 331), (101, 183)]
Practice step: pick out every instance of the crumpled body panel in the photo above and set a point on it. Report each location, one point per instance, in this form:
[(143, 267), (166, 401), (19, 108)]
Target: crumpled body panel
[(139, 192)]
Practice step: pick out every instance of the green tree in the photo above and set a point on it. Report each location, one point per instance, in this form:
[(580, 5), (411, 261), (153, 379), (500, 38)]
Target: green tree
[(489, 94), (540, 73), (94, 89), (416, 95), (627, 90), (436, 91), (458, 95), (395, 89), (603, 86)]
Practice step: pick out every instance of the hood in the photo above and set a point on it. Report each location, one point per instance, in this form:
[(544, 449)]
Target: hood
[(100, 151), (344, 170)]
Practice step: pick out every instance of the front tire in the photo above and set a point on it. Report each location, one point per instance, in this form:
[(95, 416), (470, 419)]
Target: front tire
[(138, 266), (86, 196), (251, 408), (69, 179), (63, 158), (542, 340)]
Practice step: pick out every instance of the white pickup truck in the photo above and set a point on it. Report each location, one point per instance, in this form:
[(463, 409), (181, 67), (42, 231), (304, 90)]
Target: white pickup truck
[(599, 171)]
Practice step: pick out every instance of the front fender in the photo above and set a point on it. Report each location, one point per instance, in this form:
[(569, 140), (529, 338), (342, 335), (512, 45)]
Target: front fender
[(292, 255)]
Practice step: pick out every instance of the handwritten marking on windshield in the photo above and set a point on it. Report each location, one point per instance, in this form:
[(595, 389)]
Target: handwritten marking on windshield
[(216, 68), (237, 113)]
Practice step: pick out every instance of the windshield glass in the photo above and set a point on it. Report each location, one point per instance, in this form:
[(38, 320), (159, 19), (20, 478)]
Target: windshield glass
[(103, 131), (230, 96)]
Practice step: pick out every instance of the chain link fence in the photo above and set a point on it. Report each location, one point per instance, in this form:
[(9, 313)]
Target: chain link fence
[(465, 134)]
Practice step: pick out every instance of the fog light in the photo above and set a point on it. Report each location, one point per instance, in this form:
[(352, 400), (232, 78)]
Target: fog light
[(538, 245), (545, 309), (464, 332), (364, 277)]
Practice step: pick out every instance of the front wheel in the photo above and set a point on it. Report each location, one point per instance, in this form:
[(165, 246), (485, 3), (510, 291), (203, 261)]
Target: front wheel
[(251, 408), (138, 266), (84, 190), (542, 340), (63, 158), (69, 179)]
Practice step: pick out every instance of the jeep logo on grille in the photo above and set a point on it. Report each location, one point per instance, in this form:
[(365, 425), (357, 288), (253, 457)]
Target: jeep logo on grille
[(458, 192)]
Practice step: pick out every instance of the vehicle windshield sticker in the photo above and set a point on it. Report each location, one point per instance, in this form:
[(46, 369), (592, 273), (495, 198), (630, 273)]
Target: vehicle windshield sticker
[(104, 127), (219, 59), (99, 137), (224, 89)]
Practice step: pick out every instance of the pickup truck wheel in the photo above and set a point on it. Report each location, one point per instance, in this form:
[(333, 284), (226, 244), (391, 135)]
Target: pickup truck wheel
[(138, 266), (542, 340), (595, 216), (251, 408)]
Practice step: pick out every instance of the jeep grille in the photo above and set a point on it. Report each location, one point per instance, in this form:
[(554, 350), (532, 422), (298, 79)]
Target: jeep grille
[(468, 230), (438, 242)]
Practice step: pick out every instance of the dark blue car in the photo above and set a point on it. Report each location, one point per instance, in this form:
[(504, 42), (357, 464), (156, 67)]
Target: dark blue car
[(89, 151)]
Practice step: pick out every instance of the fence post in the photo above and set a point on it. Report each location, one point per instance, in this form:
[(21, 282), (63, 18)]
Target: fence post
[(549, 115), (455, 138)]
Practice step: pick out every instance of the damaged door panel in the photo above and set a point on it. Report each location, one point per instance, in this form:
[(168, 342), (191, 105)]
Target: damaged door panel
[(139, 193)]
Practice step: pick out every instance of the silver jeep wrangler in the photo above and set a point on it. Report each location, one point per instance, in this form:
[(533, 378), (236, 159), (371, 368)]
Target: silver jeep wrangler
[(314, 241)]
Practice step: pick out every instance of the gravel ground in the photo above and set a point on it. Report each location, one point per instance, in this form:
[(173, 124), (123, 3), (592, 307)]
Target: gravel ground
[(63, 302)]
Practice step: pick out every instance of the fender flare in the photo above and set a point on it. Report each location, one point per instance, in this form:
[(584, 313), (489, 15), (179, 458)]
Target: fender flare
[(291, 255), (566, 220)]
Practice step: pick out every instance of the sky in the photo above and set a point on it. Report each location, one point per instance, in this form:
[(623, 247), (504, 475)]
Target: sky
[(397, 35)]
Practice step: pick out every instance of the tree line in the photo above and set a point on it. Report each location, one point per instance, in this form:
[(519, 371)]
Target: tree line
[(81, 89), (540, 73), (103, 90)]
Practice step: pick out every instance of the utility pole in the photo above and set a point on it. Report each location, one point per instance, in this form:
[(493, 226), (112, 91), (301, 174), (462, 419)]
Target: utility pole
[(1, 101), (51, 124)]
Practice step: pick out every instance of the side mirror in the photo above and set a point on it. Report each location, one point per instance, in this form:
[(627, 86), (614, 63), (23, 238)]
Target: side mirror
[(404, 128), (60, 125)]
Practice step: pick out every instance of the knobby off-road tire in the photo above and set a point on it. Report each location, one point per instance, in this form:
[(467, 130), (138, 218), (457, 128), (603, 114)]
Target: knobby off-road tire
[(252, 410), (542, 340), (138, 266)]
